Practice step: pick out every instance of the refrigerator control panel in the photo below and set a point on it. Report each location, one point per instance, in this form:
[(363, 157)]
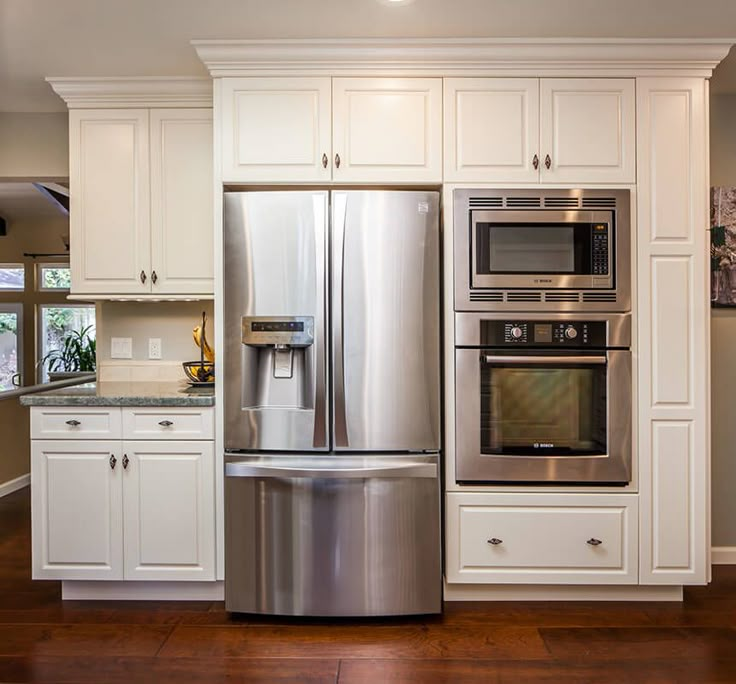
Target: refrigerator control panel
[(287, 331)]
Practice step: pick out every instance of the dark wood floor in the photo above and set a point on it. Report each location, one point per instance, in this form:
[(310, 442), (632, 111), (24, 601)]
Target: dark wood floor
[(43, 639)]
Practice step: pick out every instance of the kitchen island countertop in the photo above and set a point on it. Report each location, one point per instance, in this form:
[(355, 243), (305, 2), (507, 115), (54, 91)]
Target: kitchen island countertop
[(124, 394)]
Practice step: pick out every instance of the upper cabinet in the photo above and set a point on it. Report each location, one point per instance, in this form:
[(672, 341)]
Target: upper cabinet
[(348, 130), (576, 130)]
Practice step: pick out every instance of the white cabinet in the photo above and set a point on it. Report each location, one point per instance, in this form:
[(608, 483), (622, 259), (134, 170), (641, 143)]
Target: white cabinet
[(280, 130), (577, 130), (127, 508), (141, 207), (541, 538)]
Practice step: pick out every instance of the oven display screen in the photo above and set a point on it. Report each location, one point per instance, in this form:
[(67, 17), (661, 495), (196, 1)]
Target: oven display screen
[(543, 332)]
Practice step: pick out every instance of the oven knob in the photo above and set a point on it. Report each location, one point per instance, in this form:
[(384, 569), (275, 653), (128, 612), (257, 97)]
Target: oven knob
[(516, 332), (571, 333)]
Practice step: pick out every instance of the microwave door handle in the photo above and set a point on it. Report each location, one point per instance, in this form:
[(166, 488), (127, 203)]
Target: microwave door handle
[(559, 360)]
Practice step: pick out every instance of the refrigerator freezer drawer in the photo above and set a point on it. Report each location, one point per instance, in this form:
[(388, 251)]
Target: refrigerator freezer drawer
[(361, 538)]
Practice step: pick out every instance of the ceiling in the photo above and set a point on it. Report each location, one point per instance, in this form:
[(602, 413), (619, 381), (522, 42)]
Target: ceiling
[(41, 38), (22, 202)]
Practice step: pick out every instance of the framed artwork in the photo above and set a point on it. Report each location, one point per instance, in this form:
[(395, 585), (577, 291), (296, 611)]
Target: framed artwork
[(723, 246)]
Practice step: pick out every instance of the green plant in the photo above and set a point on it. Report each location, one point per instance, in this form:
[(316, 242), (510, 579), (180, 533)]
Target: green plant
[(76, 353)]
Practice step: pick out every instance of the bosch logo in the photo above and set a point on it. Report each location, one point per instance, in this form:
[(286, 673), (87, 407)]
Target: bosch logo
[(543, 280), (543, 445)]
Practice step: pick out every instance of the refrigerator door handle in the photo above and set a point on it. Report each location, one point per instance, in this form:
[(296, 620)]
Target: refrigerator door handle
[(319, 436), (404, 470), (338, 294)]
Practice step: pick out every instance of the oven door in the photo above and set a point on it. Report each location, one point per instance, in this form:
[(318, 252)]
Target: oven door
[(543, 416)]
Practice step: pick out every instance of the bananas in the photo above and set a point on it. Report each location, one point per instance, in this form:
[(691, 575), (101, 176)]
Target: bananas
[(200, 339)]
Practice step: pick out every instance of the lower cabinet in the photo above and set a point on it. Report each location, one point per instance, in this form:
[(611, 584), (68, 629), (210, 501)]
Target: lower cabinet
[(123, 509), (542, 538)]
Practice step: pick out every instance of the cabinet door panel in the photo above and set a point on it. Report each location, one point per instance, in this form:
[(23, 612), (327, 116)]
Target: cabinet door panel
[(275, 129), (168, 503), (387, 129), (182, 215), (76, 510), (491, 129), (109, 195), (588, 130)]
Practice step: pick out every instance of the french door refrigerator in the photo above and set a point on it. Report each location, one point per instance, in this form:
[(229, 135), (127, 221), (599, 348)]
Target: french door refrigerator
[(332, 402)]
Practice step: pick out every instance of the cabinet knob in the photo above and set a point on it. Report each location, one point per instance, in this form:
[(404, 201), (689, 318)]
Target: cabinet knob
[(547, 161), (535, 162), (113, 461), (165, 423), (125, 461), (143, 277), (594, 542), (494, 541), (325, 161), (154, 277), (73, 423), (337, 161)]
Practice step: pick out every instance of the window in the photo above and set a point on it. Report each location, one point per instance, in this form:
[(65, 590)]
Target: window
[(11, 348), (54, 277), (58, 320), (12, 277)]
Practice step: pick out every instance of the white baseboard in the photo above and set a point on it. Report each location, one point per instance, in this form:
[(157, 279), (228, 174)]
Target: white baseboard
[(142, 591), (560, 592), (723, 555), (14, 485)]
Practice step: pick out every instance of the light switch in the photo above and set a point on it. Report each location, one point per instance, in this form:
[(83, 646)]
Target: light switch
[(121, 348)]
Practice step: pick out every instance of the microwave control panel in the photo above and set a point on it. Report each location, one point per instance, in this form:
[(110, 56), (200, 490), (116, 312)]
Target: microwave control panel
[(524, 333), (599, 249)]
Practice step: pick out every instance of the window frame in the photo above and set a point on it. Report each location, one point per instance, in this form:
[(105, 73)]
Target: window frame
[(15, 265), (39, 328), (17, 309), (39, 277)]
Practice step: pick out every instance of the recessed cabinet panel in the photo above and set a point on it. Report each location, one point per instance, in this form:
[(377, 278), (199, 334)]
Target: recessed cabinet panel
[(109, 190), (491, 129), (587, 131), (77, 500), (276, 129), (182, 238), (387, 129)]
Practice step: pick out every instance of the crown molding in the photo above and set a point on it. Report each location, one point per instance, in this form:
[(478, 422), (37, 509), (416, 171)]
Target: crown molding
[(464, 56), (126, 92)]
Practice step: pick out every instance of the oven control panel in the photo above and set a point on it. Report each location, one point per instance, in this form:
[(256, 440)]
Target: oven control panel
[(525, 333)]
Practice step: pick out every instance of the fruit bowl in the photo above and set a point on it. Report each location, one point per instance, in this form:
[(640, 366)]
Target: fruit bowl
[(199, 371)]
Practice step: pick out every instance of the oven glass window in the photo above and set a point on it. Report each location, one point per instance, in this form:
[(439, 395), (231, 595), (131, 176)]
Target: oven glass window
[(543, 410)]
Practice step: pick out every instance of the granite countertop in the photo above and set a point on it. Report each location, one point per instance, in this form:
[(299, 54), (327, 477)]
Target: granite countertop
[(124, 394)]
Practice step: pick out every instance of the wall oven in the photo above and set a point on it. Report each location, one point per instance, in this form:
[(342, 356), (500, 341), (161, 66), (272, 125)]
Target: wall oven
[(543, 398), (569, 248)]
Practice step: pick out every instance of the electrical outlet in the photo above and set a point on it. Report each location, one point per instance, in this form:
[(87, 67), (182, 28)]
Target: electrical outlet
[(154, 347), (121, 348)]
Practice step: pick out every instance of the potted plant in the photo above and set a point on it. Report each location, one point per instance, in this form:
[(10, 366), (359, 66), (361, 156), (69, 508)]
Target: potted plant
[(76, 355)]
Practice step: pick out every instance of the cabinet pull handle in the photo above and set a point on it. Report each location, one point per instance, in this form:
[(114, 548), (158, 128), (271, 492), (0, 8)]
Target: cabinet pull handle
[(535, 162), (547, 161), (165, 423), (154, 277), (594, 542), (337, 161), (125, 461), (113, 461), (494, 541), (73, 423), (325, 161), (143, 277)]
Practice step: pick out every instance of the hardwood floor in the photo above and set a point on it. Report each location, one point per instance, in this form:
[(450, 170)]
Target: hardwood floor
[(43, 639)]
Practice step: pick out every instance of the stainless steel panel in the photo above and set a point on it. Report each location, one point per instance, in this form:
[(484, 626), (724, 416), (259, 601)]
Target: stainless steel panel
[(275, 266), (329, 545), (333, 467), (385, 314), (515, 285)]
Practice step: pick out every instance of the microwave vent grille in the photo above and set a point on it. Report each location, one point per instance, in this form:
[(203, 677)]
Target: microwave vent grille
[(561, 202), (599, 202), (486, 296), (485, 202), (523, 202), (562, 297), (528, 296), (599, 296)]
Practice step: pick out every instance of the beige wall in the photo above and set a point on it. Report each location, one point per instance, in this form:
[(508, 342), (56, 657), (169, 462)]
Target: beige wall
[(723, 344), (34, 146)]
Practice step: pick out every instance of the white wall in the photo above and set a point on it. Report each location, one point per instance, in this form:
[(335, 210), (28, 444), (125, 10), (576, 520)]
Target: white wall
[(34, 146)]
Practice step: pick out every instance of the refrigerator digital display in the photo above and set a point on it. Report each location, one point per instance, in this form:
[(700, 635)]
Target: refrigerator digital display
[(277, 326)]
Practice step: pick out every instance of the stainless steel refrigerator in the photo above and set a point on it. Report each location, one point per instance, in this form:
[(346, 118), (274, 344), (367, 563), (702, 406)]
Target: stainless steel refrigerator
[(332, 402)]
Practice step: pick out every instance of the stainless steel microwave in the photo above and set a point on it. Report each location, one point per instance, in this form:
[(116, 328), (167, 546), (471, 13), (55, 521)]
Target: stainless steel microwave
[(536, 250)]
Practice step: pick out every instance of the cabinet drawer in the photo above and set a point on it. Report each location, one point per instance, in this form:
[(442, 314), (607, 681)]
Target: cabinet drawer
[(49, 422), (542, 538), (168, 423)]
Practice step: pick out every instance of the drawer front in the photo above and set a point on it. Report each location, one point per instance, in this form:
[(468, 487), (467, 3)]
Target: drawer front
[(50, 422), (542, 539), (168, 423)]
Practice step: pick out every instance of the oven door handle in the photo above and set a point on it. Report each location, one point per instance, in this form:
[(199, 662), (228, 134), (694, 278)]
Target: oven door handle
[(559, 360)]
